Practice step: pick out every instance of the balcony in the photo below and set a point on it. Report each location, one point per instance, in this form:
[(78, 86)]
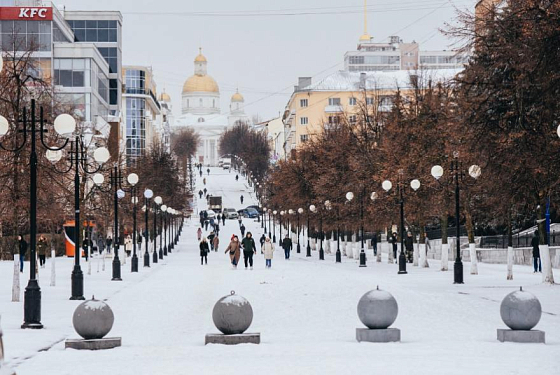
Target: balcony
[(334, 109)]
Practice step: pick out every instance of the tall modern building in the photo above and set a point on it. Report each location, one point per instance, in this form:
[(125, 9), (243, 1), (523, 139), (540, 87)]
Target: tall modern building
[(145, 121), (395, 54), (77, 70)]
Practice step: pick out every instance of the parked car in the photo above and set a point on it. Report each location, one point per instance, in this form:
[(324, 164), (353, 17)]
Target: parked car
[(248, 212), (230, 213), (211, 214), (257, 208)]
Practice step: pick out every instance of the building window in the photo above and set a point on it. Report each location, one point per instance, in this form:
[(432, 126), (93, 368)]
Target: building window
[(304, 137), (356, 60), (135, 128), (369, 101), (113, 91), (111, 56), (333, 120), (303, 120), (334, 101), (135, 82), (201, 119), (71, 73), (94, 31), (409, 54), (303, 103), (200, 102), (352, 101), (352, 119), (26, 35)]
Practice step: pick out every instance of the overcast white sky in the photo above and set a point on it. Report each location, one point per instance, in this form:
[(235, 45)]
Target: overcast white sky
[(260, 45)]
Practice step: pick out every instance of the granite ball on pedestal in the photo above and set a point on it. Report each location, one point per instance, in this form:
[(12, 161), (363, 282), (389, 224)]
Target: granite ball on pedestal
[(232, 314), (378, 309), (521, 310), (93, 319)]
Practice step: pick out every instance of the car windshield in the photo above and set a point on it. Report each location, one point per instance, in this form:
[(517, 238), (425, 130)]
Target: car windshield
[(251, 210), (231, 210)]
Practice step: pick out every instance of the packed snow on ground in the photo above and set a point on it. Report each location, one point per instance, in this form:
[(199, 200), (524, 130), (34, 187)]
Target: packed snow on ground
[(305, 310)]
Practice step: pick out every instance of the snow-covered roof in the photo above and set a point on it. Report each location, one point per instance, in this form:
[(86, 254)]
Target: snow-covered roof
[(350, 81)]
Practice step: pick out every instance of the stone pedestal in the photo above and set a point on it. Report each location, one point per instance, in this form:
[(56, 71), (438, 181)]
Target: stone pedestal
[(378, 335), (532, 336), (244, 338), (95, 344)]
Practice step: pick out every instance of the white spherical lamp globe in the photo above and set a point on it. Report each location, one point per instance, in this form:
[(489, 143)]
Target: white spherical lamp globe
[(132, 179), (373, 196), (475, 171), (415, 184), (64, 125), (164, 208), (4, 126), (300, 210), (148, 193), (437, 171), (349, 196), (312, 208), (158, 200), (98, 178), (101, 155), (387, 185), (53, 155)]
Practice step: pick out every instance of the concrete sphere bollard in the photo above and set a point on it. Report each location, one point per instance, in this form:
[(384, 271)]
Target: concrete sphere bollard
[(93, 319), (232, 314), (521, 310), (378, 309)]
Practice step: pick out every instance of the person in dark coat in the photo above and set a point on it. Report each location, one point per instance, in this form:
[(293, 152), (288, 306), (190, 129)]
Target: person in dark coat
[(211, 239), (242, 229), (201, 173), (249, 248), (394, 242), (287, 246), (205, 191), (22, 244), (374, 243), (200, 193), (409, 246), (241, 198), (206, 224), (236, 177), (261, 240), (224, 219), (204, 250), (535, 241), (42, 247), (208, 171), (109, 243)]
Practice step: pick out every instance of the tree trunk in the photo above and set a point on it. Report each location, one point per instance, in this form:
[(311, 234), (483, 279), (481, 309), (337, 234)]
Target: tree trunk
[(53, 267), (472, 245), (444, 244)]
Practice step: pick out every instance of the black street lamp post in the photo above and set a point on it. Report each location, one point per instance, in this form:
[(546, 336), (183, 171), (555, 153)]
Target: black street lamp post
[(155, 252), (79, 160), (274, 226), (118, 191), (458, 176), (148, 194), (349, 197), (387, 186), (308, 251), (269, 226), (65, 126), (134, 262), (314, 209), (280, 220), (164, 228)]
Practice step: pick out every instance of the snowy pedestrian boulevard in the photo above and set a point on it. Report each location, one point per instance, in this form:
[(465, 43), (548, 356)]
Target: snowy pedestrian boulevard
[(305, 310)]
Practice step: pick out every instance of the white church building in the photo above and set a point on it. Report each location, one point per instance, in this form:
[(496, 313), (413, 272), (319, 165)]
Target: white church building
[(201, 111)]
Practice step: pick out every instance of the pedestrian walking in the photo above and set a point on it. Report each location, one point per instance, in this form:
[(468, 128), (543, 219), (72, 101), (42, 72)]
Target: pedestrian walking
[(211, 239), (100, 245), (239, 221), (216, 242), (205, 191), (128, 245), (204, 180), (394, 242), (206, 224), (224, 219), (199, 234), (208, 171), (242, 229), (261, 240), (374, 243), (219, 217), (249, 249), (42, 247), (287, 246), (109, 243), (268, 251), (236, 177), (535, 241), (234, 251), (409, 246), (217, 228), (241, 198), (212, 222), (204, 252), (200, 193), (22, 244)]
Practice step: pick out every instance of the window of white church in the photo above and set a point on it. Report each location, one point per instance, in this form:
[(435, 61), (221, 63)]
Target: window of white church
[(200, 100), (201, 119), (188, 103), (214, 103)]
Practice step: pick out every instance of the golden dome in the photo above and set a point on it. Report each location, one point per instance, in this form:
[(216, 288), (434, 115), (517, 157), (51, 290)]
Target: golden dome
[(200, 57), (237, 97), (199, 83), (365, 38), (164, 97)]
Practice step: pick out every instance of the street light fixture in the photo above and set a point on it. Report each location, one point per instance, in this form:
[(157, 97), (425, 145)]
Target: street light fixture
[(158, 202), (148, 194), (164, 228), (387, 186), (299, 212), (456, 169), (64, 126), (350, 197)]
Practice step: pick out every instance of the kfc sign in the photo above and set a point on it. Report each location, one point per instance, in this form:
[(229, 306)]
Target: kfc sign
[(26, 13)]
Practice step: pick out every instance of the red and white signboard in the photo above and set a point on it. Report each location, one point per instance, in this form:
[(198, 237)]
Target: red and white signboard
[(26, 13)]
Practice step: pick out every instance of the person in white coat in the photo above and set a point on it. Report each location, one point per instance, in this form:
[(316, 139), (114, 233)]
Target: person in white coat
[(268, 250)]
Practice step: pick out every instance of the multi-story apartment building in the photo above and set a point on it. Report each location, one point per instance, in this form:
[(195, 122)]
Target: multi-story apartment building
[(314, 106), (144, 119)]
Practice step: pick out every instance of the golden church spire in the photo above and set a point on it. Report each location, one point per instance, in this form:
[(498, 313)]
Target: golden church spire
[(365, 37)]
